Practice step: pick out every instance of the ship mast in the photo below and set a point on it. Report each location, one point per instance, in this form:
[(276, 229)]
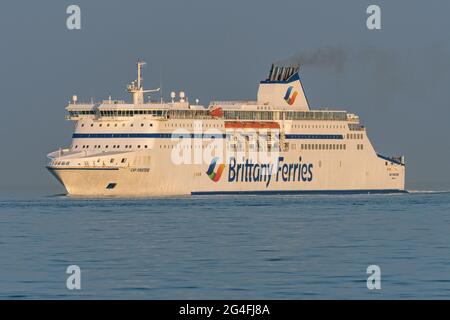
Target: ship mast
[(136, 89)]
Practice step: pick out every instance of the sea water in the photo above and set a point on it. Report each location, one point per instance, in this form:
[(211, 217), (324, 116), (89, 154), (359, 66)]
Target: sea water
[(226, 247)]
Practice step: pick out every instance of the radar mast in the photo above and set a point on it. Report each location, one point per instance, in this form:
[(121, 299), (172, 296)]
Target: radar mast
[(136, 89)]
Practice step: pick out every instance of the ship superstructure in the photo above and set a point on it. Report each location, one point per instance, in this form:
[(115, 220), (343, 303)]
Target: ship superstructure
[(275, 144)]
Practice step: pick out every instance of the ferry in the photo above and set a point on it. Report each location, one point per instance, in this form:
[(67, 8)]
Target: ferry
[(275, 144)]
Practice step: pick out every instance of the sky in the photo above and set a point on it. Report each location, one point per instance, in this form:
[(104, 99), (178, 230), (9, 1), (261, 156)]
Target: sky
[(396, 79)]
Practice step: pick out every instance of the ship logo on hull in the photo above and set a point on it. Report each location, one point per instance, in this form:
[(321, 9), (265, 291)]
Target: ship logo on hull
[(215, 175), (290, 96)]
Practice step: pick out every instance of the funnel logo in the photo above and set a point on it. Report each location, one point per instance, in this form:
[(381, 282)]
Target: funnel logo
[(290, 96), (215, 176)]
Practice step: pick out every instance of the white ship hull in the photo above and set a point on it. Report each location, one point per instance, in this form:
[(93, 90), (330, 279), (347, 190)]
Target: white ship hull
[(334, 173)]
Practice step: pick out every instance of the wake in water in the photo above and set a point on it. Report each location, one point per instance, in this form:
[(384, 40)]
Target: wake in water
[(429, 191)]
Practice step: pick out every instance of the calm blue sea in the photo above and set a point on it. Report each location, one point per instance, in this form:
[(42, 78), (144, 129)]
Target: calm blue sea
[(227, 247)]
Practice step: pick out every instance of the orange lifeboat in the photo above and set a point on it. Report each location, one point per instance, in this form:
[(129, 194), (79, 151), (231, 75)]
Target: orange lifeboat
[(252, 125)]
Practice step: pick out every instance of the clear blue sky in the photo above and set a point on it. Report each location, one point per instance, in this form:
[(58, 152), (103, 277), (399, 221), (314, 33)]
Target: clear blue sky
[(396, 79)]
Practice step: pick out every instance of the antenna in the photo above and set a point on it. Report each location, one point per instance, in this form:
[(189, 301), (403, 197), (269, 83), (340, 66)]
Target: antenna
[(135, 87), (139, 63), (160, 84)]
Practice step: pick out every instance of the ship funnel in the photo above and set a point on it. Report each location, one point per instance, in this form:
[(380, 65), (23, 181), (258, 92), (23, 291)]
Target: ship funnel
[(283, 88)]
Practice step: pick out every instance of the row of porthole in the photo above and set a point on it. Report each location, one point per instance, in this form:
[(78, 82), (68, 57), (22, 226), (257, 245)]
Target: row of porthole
[(115, 125), (61, 163), (175, 145), (177, 125), (317, 126), (114, 146), (184, 146), (190, 125), (323, 146), (180, 125), (112, 160), (354, 136), (65, 163), (210, 146)]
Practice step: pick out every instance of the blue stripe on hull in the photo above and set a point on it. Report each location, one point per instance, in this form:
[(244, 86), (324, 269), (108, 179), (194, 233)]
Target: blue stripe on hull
[(328, 192)]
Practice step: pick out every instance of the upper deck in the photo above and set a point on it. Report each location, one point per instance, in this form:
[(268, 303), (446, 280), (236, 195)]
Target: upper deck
[(214, 111), (280, 97)]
